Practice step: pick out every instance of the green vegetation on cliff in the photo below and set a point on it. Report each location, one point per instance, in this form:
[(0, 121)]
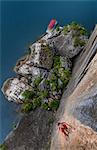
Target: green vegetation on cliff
[(27, 107), (3, 147), (78, 41), (58, 79), (53, 105), (73, 26), (77, 32), (28, 94)]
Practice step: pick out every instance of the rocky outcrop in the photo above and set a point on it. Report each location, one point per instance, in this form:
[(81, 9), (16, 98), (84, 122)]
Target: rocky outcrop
[(33, 132), (39, 60), (14, 87), (44, 68), (70, 41), (41, 55), (41, 63)]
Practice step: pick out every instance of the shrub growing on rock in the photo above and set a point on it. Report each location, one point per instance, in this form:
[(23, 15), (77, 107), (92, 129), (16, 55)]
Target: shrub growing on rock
[(3, 147), (37, 81), (65, 29), (53, 105), (27, 95), (27, 107), (45, 106), (43, 94), (78, 42), (36, 102), (78, 32), (64, 74), (56, 61), (46, 56), (53, 85), (56, 81)]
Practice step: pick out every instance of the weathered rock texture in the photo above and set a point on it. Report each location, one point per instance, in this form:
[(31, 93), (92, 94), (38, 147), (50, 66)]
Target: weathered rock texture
[(79, 104), (77, 108), (33, 132), (14, 87), (65, 43)]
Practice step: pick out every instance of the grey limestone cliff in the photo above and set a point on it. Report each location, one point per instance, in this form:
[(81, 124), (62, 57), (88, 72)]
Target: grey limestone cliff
[(39, 130)]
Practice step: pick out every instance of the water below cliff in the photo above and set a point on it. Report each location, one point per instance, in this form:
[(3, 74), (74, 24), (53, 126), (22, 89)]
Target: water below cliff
[(23, 22)]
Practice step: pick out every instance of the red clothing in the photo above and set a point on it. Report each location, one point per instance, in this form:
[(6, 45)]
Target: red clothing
[(65, 128), (63, 131)]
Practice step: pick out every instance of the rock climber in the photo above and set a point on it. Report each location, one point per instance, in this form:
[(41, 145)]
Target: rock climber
[(65, 128)]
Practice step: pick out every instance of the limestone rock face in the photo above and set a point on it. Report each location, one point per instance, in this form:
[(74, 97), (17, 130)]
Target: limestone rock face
[(13, 89), (28, 69), (78, 104), (78, 109), (86, 110), (82, 138), (42, 86), (64, 44), (65, 62), (37, 62), (41, 55), (33, 132), (68, 40)]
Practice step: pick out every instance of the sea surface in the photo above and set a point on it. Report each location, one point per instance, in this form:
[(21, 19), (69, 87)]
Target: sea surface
[(23, 22)]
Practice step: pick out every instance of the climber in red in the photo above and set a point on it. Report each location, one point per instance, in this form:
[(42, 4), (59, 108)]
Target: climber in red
[(65, 128)]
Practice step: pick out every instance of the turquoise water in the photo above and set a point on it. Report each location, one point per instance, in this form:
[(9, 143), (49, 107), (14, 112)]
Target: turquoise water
[(21, 23)]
